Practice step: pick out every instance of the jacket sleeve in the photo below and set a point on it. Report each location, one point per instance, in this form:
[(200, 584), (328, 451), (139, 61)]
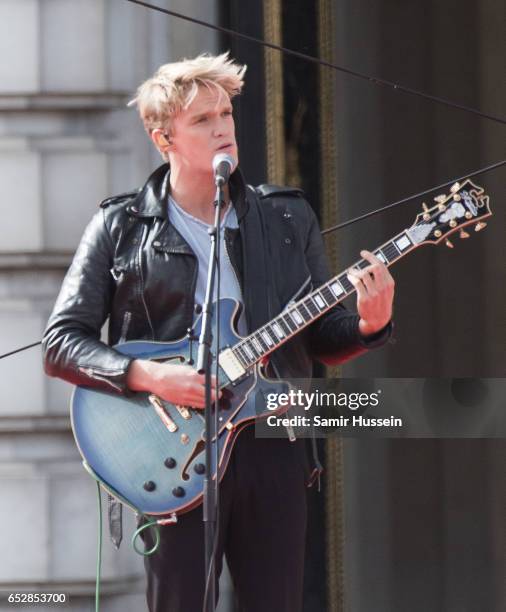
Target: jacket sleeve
[(71, 343), (334, 338)]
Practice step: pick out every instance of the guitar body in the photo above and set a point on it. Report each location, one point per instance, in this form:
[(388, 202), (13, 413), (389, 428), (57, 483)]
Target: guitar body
[(150, 454), (129, 448)]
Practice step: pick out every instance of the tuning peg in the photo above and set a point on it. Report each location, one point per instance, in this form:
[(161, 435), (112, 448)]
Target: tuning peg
[(449, 244), (455, 187), (479, 226), (426, 214), (463, 234), (425, 207), (440, 198)]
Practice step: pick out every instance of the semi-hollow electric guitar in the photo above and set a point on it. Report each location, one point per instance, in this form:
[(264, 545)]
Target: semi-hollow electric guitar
[(149, 453)]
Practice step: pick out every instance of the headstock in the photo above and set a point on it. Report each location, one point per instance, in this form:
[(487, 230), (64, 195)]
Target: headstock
[(466, 204)]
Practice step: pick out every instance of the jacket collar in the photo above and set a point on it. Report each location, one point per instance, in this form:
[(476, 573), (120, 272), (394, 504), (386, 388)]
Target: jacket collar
[(151, 201)]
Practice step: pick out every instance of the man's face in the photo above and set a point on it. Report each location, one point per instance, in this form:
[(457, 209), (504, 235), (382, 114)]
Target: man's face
[(206, 127)]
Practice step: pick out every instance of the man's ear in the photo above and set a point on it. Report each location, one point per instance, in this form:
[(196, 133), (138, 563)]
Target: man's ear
[(161, 139)]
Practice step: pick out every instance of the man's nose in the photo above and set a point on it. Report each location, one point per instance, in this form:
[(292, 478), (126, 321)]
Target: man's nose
[(220, 127)]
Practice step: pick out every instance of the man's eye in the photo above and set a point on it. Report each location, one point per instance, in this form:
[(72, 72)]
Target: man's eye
[(202, 119), (227, 112)]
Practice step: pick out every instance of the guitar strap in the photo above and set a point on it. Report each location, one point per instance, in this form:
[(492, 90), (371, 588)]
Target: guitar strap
[(115, 514)]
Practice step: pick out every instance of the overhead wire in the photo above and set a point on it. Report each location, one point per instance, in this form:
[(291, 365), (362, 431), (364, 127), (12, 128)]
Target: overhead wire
[(355, 73)]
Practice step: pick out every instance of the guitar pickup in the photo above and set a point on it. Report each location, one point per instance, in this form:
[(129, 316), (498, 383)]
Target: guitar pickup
[(231, 365), (162, 413)]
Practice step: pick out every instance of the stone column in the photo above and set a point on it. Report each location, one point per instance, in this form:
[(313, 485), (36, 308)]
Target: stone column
[(67, 141)]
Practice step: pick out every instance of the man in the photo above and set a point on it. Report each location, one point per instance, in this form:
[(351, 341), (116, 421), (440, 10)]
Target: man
[(142, 262)]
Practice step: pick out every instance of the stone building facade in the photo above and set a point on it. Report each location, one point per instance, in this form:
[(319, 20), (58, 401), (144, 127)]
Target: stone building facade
[(67, 140)]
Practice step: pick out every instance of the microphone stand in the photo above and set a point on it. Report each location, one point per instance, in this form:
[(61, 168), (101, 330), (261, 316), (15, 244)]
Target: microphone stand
[(204, 365)]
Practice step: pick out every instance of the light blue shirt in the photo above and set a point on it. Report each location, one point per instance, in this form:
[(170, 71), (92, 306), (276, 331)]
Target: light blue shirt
[(195, 232)]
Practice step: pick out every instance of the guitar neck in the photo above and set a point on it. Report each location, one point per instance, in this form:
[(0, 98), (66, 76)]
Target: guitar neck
[(299, 315)]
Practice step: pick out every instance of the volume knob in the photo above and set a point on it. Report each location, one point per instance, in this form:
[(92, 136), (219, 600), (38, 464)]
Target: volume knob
[(178, 492), (149, 486)]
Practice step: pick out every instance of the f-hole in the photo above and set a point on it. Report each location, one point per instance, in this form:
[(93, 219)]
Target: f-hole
[(199, 447)]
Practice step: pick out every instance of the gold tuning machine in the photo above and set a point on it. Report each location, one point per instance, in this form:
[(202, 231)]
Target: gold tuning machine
[(449, 244), (440, 198), (426, 214), (463, 234), (455, 187), (425, 207), (479, 226)]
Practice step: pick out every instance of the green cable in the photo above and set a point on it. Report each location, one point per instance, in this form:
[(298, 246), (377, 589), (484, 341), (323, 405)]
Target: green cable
[(145, 553), (99, 550), (137, 533)]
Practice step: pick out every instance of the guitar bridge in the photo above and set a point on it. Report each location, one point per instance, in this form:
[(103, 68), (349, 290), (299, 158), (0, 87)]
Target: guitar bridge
[(160, 411)]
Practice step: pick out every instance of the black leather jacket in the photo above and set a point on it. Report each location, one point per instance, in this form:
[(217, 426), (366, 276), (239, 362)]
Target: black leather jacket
[(134, 267)]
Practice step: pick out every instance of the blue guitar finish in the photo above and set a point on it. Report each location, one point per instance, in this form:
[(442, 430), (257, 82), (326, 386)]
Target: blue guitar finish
[(130, 450), (127, 446)]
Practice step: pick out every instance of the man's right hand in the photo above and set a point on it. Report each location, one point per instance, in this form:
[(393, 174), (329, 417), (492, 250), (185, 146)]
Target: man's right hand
[(177, 384)]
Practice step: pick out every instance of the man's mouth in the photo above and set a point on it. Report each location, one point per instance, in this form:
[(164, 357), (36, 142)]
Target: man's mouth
[(225, 146)]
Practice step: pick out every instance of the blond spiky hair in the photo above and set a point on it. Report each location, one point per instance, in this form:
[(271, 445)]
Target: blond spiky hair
[(174, 86)]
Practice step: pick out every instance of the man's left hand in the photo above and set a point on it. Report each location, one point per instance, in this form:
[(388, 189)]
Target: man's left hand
[(375, 294)]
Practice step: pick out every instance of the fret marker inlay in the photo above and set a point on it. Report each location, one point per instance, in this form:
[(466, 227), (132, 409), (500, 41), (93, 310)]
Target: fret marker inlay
[(247, 350), (319, 302), (336, 289), (296, 317), (381, 257), (279, 332), (267, 338)]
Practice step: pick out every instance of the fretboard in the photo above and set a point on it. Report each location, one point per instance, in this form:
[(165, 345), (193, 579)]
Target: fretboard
[(299, 315)]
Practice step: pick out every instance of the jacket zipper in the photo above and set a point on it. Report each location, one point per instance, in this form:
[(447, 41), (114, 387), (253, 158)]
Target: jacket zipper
[(124, 327), (139, 263), (225, 242), (94, 373)]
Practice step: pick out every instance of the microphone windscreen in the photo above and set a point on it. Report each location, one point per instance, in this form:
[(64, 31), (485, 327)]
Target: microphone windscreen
[(225, 158)]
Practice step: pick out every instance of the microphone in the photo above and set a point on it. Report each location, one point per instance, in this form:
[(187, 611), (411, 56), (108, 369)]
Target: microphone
[(223, 165)]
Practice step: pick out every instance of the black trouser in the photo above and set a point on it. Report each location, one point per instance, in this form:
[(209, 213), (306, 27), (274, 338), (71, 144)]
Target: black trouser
[(262, 527)]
